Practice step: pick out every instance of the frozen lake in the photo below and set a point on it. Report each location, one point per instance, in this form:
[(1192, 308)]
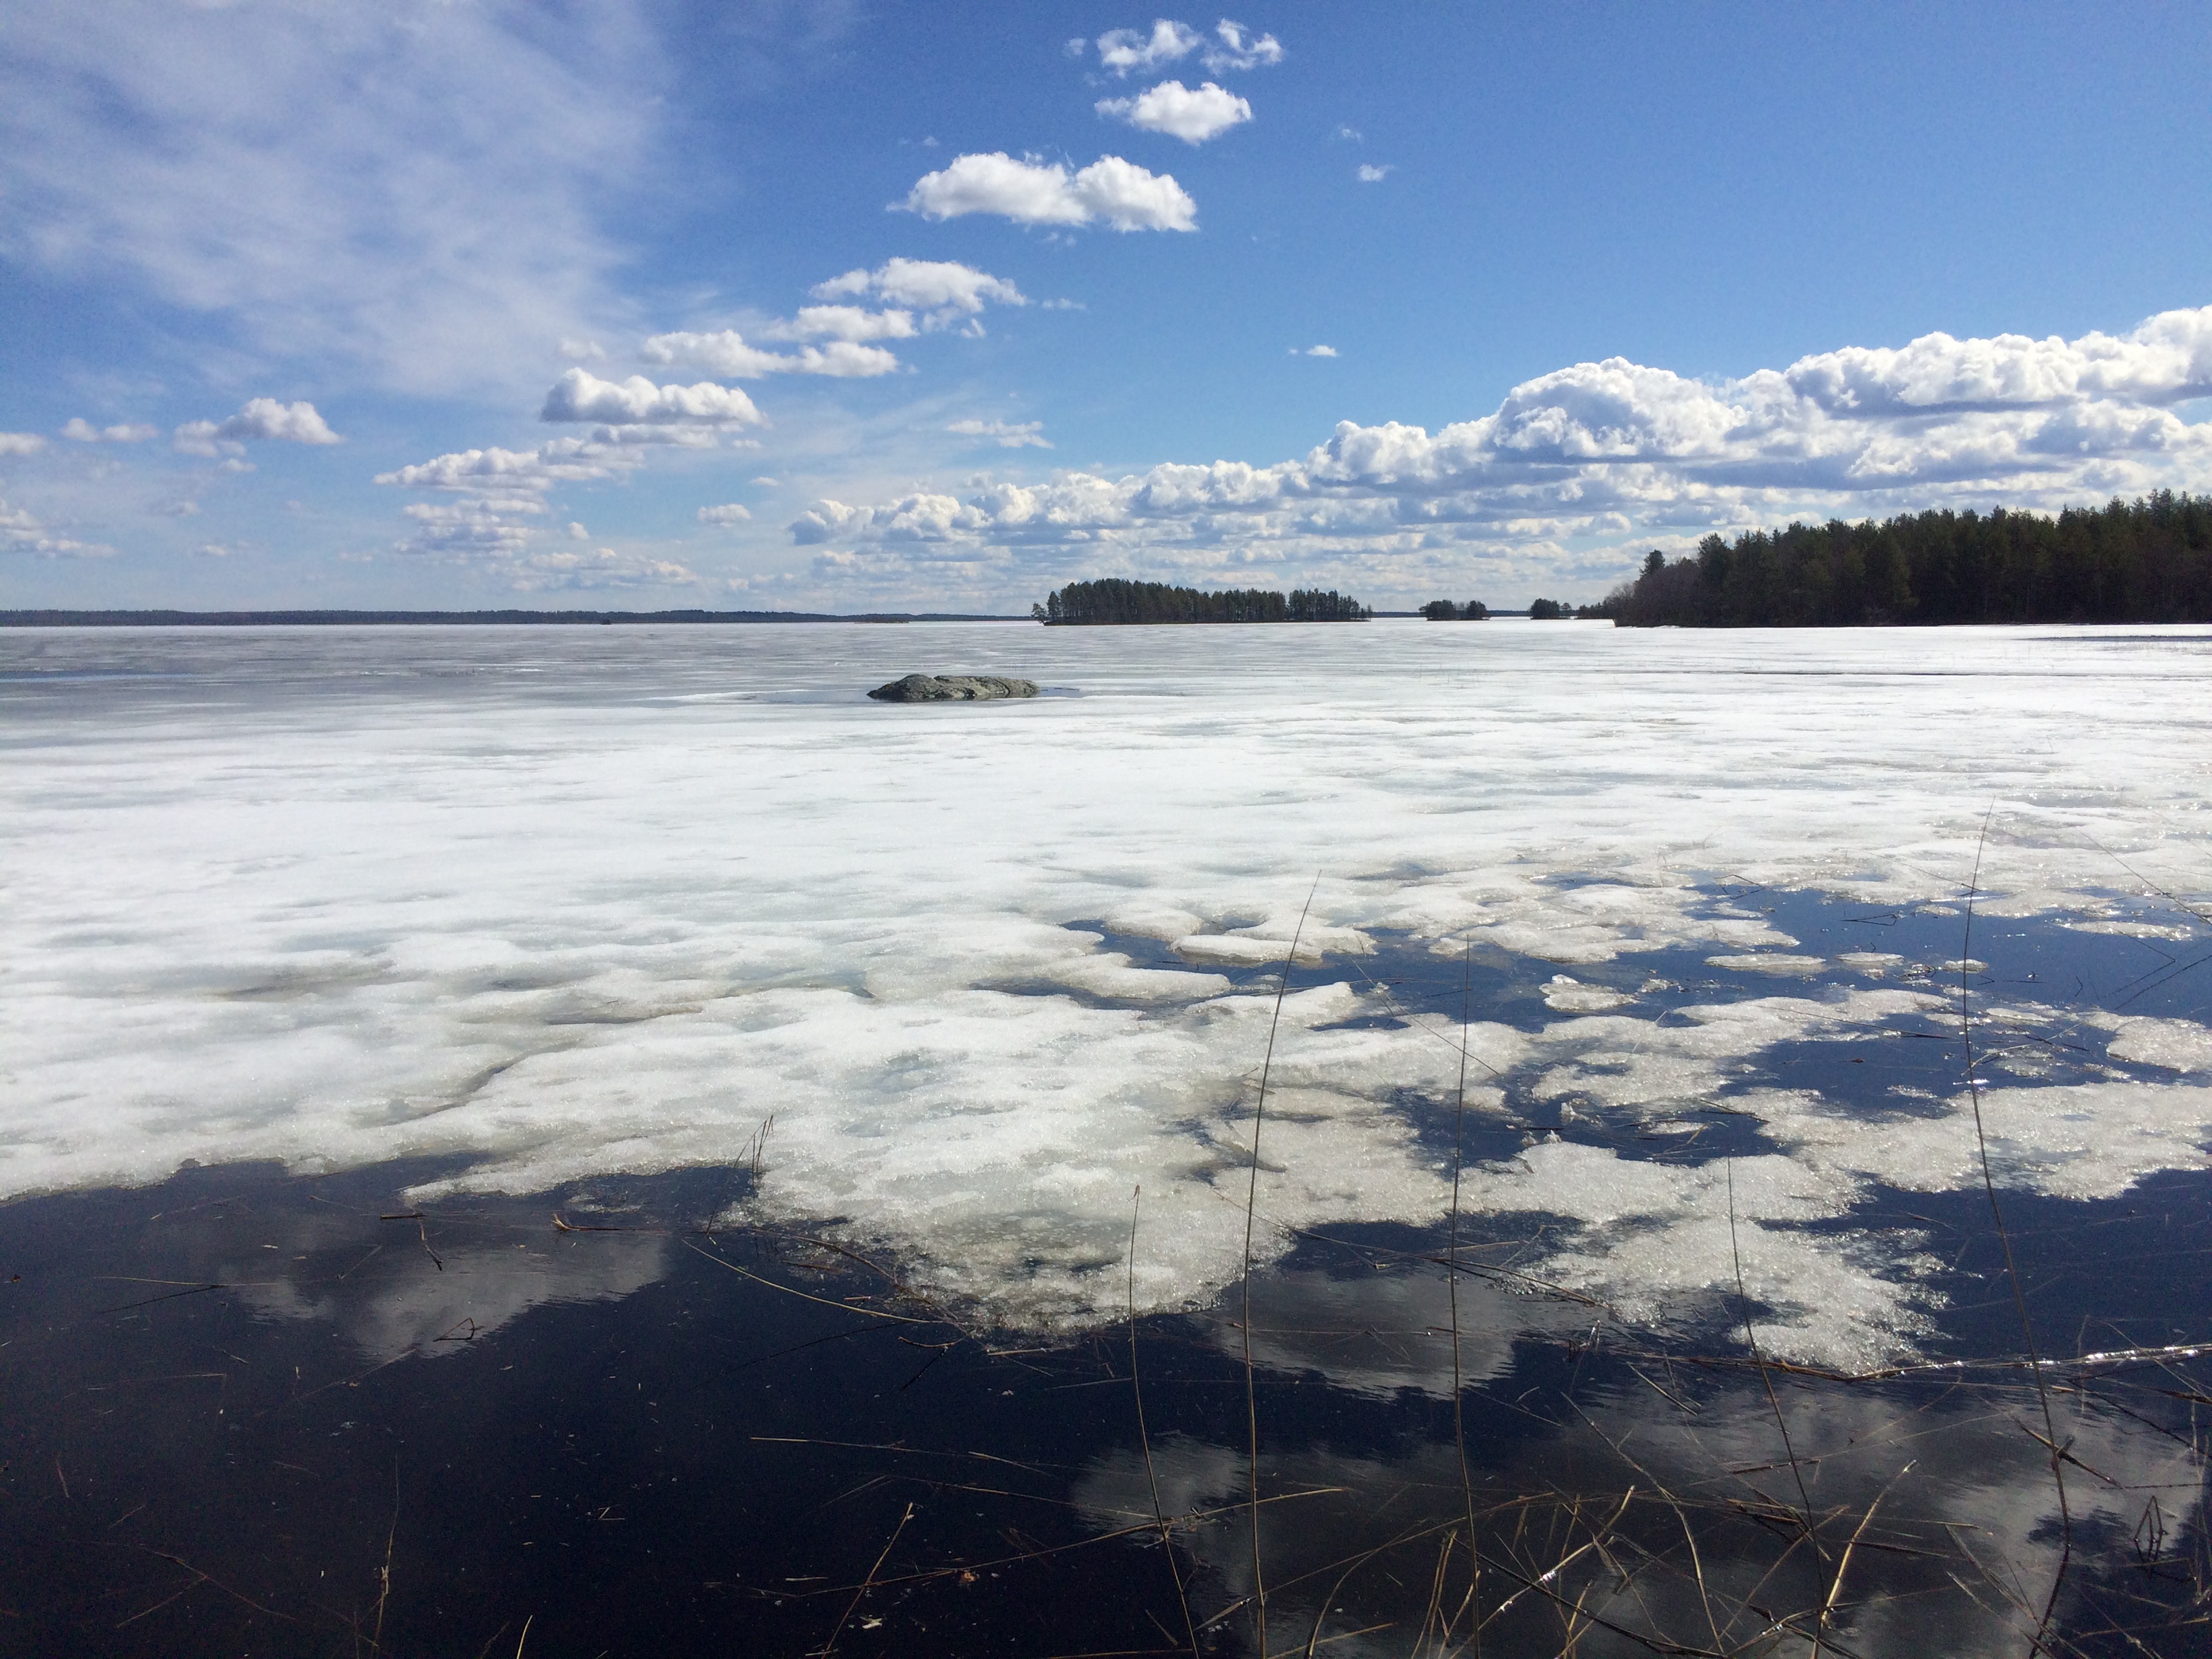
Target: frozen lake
[(554, 903), (340, 961)]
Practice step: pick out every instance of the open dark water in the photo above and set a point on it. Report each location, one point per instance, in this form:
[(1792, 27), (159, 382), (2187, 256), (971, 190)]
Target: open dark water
[(248, 1413)]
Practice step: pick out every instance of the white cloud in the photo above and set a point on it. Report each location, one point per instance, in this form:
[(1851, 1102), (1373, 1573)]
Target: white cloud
[(583, 351), (494, 503), (1602, 452), (1231, 46), (20, 443), (944, 290), (1375, 175), (1314, 351), (767, 482), (1235, 47), (409, 187), (726, 352), (1193, 116), (80, 431), (842, 322), (665, 437), (1027, 434), (1348, 135), (603, 569), (510, 472), (1125, 52), (20, 533), (579, 395), (262, 420), (1124, 195), (729, 513)]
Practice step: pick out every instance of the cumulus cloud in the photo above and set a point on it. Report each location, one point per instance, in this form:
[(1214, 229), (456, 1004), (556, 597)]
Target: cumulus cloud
[(1193, 116), (1235, 47), (1028, 434), (1373, 175), (262, 420), (1028, 192), (508, 472), (728, 513), (22, 532), (489, 507), (1231, 46), (843, 322), (727, 352), (491, 499), (80, 431), (943, 290), (1126, 52), (579, 395), (1602, 452), (601, 569), (20, 443), (1314, 351)]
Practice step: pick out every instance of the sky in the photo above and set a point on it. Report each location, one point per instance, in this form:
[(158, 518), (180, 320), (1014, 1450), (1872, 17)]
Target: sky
[(836, 307)]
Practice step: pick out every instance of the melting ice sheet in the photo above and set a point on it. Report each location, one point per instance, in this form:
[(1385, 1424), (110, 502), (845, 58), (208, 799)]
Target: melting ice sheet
[(564, 901)]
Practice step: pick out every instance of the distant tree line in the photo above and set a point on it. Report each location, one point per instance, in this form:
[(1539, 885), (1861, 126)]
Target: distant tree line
[(1114, 602), (2144, 561), (1445, 611)]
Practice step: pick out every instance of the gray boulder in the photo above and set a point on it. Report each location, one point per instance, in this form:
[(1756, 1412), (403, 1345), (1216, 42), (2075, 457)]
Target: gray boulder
[(952, 688)]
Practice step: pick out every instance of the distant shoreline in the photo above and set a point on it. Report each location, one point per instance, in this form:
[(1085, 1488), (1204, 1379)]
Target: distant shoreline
[(445, 618)]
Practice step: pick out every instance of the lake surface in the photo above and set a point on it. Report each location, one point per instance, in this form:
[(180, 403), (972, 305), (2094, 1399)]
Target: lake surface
[(618, 1133)]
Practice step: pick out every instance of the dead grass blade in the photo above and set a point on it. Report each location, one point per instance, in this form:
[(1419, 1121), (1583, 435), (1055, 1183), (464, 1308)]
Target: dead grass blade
[(1251, 1209), (1796, 1470), (2004, 1238), (1144, 1440), (867, 1584)]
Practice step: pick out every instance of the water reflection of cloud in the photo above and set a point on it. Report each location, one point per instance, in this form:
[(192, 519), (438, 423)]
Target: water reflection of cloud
[(480, 1289), (1960, 1559), (429, 1286), (1382, 1332)]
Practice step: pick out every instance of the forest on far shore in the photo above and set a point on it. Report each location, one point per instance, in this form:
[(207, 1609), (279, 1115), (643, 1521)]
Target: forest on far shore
[(1112, 602), (2148, 560)]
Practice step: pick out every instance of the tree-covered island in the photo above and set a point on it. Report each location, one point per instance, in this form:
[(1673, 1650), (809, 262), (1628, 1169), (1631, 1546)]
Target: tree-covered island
[(2144, 561), (1111, 602)]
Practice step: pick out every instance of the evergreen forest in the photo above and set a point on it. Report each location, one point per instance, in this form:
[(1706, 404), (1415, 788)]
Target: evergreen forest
[(1113, 602), (2148, 560)]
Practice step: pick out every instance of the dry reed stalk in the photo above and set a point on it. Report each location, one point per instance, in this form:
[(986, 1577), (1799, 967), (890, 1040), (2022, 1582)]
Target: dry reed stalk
[(1251, 1208), (1789, 1451), (1144, 1440), (830, 1648), (1844, 1565), (2004, 1238), (383, 1578), (1451, 1277)]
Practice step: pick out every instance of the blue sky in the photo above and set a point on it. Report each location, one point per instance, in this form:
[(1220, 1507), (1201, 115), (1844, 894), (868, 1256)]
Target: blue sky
[(855, 307)]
